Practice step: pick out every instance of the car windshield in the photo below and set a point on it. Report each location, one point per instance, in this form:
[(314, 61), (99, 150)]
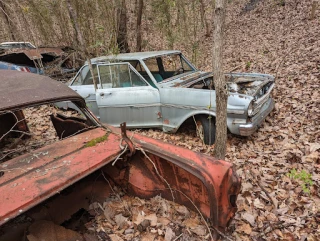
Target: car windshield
[(162, 67), (167, 66)]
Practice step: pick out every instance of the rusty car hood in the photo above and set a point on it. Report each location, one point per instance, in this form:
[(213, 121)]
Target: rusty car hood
[(18, 89), (33, 54), (238, 83), (36, 176), (30, 179)]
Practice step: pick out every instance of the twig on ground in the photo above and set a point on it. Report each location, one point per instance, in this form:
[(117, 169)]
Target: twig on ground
[(201, 136), (222, 234), (177, 237), (265, 191), (110, 185), (235, 68), (195, 206), (273, 227)]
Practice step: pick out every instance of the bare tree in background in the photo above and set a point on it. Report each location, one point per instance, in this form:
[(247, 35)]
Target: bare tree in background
[(219, 81), (204, 21), (7, 20), (139, 17), (73, 17), (122, 40)]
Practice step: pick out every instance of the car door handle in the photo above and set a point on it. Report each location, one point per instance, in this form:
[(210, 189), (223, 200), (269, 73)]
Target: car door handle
[(103, 94)]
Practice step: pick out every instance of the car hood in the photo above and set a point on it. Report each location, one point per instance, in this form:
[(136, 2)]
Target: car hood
[(242, 83)]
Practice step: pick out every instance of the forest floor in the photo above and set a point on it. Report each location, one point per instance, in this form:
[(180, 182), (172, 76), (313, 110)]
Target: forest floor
[(280, 164)]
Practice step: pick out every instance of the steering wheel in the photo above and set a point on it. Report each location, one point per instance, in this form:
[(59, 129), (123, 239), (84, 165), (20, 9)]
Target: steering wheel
[(178, 71)]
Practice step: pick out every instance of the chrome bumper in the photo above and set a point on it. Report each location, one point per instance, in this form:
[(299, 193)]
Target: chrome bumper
[(257, 120)]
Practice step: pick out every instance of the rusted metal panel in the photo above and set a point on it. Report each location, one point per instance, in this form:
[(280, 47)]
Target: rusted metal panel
[(18, 89), (212, 185), (27, 181), (151, 168), (33, 54), (126, 139)]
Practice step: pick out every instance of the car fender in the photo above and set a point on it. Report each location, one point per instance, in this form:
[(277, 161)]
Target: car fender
[(172, 128)]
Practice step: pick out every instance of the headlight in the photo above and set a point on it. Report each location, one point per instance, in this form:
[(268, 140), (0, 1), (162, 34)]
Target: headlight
[(250, 109)]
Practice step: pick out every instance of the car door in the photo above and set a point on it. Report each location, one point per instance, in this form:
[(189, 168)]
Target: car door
[(83, 84), (125, 96)]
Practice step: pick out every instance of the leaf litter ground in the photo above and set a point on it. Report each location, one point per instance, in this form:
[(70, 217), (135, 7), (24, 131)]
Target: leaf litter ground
[(279, 39), (268, 37)]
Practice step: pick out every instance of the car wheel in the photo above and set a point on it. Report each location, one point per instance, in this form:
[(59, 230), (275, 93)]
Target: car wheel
[(206, 129)]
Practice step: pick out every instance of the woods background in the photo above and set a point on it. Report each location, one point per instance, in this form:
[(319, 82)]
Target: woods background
[(111, 26)]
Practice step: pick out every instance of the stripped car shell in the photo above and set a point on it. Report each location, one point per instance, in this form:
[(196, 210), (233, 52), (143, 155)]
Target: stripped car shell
[(148, 168), (172, 86), (43, 60)]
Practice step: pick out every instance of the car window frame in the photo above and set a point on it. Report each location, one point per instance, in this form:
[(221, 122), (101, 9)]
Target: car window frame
[(131, 69)]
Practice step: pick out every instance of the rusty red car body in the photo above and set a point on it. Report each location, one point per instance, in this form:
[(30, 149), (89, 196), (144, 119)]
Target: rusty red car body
[(148, 167)]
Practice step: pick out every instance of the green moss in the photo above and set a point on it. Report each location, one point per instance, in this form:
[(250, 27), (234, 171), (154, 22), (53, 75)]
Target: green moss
[(97, 140)]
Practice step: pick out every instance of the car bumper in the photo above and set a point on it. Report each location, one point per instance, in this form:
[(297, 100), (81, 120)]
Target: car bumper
[(257, 120)]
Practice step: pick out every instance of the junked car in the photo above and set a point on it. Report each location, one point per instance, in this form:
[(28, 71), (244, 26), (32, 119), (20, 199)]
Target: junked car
[(21, 45), (162, 89), (23, 56), (45, 150)]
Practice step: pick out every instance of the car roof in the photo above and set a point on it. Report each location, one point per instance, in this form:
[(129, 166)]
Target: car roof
[(135, 56), (20, 89)]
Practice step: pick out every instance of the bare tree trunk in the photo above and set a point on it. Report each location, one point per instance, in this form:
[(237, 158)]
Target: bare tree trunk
[(203, 18), (139, 17), (8, 20), (75, 24), (122, 40), (219, 81), (313, 9), (73, 17), (168, 24)]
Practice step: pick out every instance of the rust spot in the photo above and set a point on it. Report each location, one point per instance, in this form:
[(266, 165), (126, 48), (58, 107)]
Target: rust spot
[(166, 121)]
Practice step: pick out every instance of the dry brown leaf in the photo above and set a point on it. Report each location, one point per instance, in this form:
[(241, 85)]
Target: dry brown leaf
[(191, 222), (120, 221), (137, 219), (115, 237), (245, 228), (153, 219), (199, 230), (249, 218), (169, 235)]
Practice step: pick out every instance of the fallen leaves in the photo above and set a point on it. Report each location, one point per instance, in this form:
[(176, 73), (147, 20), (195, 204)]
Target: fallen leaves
[(132, 218), (278, 40)]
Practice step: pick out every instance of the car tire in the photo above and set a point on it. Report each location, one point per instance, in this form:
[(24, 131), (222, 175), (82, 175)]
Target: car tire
[(206, 129)]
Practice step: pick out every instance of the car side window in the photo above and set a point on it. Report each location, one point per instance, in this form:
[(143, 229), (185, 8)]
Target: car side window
[(78, 79), (88, 80), (152, 64), (84, 77), (119, 76)]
